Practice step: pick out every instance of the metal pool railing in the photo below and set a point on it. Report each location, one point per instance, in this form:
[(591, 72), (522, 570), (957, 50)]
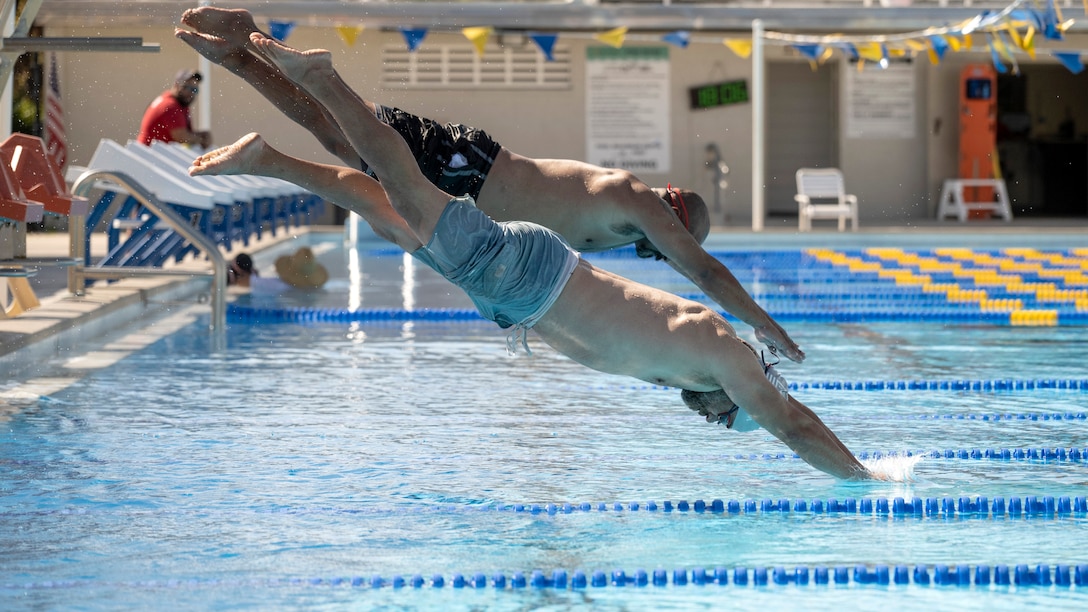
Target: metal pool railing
[(79, 274)]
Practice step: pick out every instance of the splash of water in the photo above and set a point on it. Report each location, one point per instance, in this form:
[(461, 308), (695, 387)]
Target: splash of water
[(894, 468)]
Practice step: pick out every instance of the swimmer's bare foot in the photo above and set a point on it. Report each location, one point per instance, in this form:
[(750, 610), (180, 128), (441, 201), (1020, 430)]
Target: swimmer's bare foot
[(242, 157), (217, 50), (232, 25), (311, 68)]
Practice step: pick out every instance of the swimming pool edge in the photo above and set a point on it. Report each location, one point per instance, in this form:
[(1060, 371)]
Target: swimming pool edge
[(64, 320)]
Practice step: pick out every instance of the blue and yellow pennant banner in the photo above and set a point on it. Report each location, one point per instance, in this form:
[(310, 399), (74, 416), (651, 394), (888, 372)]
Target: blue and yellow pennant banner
[(1004, 34)]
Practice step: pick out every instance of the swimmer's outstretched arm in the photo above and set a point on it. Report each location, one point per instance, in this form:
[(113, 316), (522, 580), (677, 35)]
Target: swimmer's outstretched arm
[(717, 407), (807, 435), (741, 378), (827, 438)]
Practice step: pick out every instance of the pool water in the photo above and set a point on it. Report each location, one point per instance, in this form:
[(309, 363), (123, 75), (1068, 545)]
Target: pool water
[(310, 456)]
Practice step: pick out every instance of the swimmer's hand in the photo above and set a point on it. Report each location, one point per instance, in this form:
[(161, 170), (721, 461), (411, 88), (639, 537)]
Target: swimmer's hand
[(779, 341), (714, 405)]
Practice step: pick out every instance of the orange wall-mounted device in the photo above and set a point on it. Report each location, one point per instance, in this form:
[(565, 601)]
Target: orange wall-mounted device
[(978, 128)]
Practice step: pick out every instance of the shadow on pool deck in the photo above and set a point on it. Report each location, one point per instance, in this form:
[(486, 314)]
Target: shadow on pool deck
[(104, 305)]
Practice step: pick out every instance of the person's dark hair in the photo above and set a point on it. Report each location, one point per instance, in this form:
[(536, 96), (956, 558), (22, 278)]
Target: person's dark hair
[(240, 265), (245, 264), (184, 75)]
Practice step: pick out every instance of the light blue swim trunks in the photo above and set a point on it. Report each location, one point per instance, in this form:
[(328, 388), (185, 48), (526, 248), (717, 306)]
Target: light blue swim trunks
[(513, 271)]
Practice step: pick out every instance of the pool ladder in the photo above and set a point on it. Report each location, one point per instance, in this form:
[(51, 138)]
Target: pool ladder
[(77, 230)]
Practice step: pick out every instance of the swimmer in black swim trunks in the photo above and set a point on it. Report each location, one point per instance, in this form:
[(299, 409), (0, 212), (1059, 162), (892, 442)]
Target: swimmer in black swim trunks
[(593, 208), (599, 319), (455, 158)]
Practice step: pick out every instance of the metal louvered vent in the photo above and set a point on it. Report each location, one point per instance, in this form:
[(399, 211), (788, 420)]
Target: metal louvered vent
[(459, 67)]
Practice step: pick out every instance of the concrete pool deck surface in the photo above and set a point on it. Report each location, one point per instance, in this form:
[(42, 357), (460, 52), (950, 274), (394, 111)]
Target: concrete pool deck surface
[(64, 319)]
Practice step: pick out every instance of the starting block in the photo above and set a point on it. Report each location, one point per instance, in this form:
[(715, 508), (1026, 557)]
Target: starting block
[(39, 177), (953, 201), (31, 185), (14, 204), (16, 294)]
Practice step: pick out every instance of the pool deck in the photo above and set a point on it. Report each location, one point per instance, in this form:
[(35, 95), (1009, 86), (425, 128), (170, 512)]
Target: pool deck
[(64, 319)]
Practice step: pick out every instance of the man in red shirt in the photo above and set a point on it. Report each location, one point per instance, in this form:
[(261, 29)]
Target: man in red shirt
[(167, 118)]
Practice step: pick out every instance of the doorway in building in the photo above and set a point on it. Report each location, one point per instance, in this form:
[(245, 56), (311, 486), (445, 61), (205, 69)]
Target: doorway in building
[(802, 124), (1042, 140)]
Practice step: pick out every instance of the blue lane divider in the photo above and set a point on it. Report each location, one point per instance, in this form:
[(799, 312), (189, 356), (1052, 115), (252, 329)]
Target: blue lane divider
[(943, 314), (239, 313), (796, 267), (961, 575), (1059, 454), (984, 385), (1017, 416), (998, 454), (1033, 507), (994, 384), (811, 288)]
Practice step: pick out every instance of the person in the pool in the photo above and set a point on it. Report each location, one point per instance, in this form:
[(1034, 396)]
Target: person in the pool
[(594, 208), (524, 275), (299, 270)]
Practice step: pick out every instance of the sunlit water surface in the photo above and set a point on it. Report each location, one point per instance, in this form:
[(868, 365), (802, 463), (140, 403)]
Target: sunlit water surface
[(301, 454)]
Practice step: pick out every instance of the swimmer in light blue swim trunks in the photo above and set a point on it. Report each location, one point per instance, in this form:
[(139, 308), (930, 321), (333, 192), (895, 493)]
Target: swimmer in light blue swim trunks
[(599, 319)]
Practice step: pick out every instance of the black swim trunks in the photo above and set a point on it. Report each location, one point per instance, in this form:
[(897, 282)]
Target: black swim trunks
[(455, 158)]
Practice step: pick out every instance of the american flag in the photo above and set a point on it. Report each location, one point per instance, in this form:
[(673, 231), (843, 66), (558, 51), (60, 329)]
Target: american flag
[(56, 143)]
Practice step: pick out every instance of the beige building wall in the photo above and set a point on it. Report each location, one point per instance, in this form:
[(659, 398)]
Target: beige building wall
[(105, 95), (888, 175)]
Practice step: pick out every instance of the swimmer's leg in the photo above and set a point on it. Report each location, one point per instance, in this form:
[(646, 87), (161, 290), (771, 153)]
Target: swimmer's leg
[(222, 36), (416, 200), (345, 187)]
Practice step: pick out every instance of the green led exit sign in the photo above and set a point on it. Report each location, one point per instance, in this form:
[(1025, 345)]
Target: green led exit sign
[(719, 94)]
